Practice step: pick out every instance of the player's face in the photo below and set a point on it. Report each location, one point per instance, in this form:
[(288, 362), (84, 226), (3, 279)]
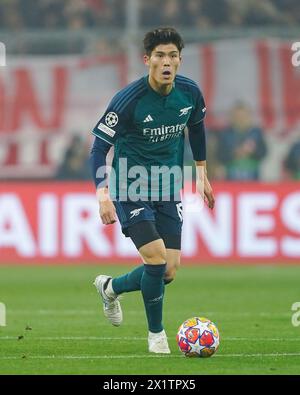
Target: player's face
[(163, 64)]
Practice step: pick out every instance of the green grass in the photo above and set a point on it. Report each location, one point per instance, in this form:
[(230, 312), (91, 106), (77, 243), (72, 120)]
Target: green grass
[(251, 306)]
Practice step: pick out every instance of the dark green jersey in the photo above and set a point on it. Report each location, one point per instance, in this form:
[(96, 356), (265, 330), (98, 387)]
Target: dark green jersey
[(147, 131)]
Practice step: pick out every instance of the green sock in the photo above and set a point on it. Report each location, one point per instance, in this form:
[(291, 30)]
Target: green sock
[(128, 282), (131, 281), (152, 287)]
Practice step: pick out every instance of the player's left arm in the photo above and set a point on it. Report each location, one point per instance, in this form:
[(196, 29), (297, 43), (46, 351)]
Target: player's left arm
[(198, 146)]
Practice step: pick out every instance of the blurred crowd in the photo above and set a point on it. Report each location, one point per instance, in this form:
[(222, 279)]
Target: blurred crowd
[(85, 14)]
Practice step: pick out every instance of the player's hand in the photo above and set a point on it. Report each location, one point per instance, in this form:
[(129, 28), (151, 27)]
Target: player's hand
[(209, 196), (107, 209), (107, 212), (205, 190)]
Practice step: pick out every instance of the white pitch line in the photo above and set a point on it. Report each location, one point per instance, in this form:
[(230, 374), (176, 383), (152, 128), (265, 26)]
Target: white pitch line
[(76, 338), (88, 338), (135, 312), (146, 356)]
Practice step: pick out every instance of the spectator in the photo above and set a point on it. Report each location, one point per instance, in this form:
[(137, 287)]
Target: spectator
[(13, 20), (261, 13), (171, 13), (241, 146), (216, 12), (75, 165), (191, 11), (150, 13), (292, 161)]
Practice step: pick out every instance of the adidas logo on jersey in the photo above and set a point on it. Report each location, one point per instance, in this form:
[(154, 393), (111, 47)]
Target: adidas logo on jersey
[(148, 118)]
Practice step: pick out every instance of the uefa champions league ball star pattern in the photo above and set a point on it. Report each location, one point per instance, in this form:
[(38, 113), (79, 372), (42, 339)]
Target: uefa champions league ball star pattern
[(111, 119), (198, 337)]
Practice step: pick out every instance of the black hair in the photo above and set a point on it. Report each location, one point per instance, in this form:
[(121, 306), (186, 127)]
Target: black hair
[(163, 35)]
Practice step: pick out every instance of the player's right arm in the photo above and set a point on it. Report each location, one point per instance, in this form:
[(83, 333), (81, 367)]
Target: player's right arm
[(107, 130), (99, 152)]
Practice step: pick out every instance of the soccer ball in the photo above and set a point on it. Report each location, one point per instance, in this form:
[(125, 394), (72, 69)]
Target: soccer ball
[(198, 337)]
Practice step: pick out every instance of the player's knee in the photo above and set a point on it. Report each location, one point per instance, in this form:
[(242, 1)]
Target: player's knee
[(155, 256), (154, 252)]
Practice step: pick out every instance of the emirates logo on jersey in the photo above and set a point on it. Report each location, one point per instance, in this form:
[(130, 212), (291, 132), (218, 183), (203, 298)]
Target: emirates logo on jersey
[(164, 132)]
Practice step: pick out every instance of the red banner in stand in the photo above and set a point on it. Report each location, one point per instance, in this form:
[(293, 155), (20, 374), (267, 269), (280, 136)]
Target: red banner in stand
[(59, 223)]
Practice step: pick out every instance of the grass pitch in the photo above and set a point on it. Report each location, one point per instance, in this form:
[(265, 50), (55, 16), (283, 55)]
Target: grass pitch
[(55, 323)]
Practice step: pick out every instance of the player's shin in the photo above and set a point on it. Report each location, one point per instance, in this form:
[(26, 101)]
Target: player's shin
[(152, 287)]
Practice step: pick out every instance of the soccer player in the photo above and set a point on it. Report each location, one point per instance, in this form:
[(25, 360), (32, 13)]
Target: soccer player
[(145, 123)]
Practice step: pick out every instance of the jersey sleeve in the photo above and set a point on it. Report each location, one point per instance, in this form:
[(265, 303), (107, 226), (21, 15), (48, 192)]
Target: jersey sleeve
[(199, 110), (112, 124)]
